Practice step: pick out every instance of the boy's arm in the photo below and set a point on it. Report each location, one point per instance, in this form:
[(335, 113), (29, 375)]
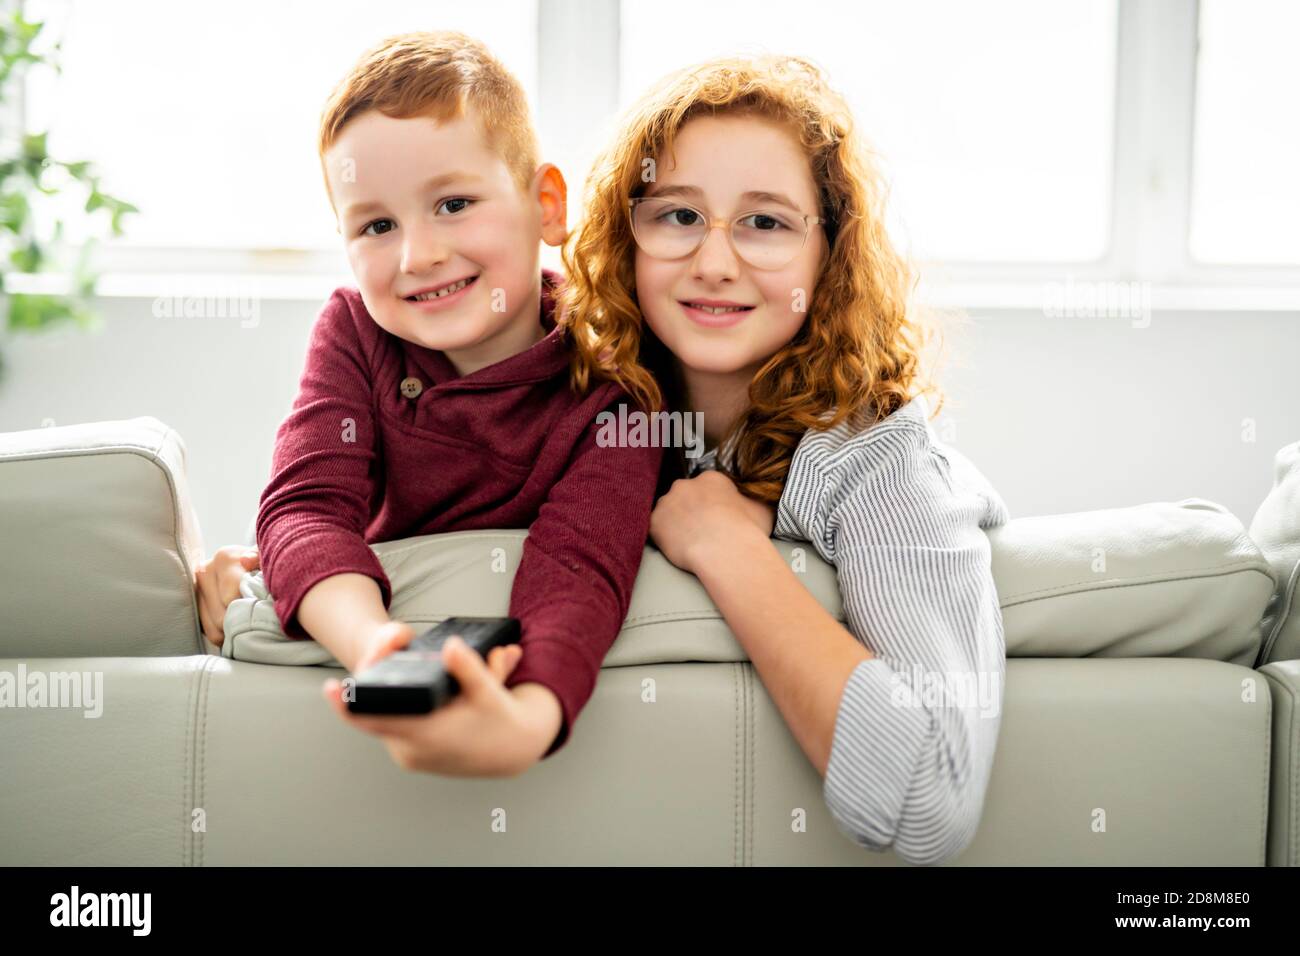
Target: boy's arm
[(313, 513), (579, 563)]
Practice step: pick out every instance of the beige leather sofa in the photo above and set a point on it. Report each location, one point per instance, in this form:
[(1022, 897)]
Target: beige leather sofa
[(1149, 714)]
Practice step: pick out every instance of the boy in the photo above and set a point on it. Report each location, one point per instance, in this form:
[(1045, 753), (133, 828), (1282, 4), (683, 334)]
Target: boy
[(436, 397)]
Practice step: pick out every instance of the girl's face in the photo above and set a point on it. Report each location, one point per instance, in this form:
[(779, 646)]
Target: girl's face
[(726, 167)]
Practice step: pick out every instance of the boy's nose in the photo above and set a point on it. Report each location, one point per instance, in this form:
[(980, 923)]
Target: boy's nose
[(715, 259), (422, 249)]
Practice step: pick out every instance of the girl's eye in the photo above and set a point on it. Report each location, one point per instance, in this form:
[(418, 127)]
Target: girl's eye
[(462, 202), (681, 216), (366, 229), (764, 222)]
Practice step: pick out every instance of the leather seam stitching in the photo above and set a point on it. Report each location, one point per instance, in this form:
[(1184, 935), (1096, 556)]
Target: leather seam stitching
[(202, 750), (1084, 586), (187, 838), (749, 709), (735, 765)]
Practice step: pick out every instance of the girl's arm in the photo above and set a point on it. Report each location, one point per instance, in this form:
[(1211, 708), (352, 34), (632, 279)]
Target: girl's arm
[(803, 655), (904, 733)]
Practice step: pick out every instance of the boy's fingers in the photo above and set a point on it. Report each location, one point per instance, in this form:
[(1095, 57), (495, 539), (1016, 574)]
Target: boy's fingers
[(465, 664), (507, 658), (398, 727), (502, 660), (213, 620), (204, 621), (393, 636), (230, 589)]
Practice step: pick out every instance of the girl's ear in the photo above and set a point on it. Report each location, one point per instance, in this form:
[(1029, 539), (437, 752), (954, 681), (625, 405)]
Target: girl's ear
[(552, 194)]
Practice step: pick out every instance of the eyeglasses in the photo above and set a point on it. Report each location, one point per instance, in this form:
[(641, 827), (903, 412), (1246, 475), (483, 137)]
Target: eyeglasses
[(766, 239)]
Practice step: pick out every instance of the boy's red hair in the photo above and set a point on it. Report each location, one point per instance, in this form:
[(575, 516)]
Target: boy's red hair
[(438, 75)]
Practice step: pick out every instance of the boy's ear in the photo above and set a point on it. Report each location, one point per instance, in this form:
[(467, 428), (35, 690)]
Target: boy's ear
[(552, 194)]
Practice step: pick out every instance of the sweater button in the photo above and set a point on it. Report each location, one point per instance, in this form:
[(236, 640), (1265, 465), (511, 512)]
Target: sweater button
[(412, 387)]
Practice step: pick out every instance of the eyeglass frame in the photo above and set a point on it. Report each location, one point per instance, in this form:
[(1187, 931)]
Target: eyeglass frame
[(711, 223)]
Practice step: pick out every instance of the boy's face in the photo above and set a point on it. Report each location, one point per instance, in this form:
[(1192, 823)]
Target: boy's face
[(424, 207)]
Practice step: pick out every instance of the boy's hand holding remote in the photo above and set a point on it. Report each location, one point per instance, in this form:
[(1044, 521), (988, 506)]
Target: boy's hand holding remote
[(486, 730)]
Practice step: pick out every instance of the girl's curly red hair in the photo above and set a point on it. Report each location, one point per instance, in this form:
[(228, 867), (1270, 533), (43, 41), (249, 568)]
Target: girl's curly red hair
[(858, 353)]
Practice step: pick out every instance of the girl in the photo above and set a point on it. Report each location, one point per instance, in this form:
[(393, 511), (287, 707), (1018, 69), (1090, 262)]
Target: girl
[(733, 261)]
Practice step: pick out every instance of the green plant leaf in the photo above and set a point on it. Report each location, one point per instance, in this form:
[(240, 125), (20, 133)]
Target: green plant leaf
[(14, 211), (34, 145), (28, 312), (27, 257)]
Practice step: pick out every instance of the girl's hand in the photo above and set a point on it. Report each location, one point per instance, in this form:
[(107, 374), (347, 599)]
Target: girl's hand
[(216, 584), (699, 514), (486, 731)]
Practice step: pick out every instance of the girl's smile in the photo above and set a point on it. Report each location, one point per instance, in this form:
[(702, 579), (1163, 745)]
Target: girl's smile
[(716, 313)]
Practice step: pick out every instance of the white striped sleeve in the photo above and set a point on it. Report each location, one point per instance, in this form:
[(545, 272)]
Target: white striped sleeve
[(917, 724)]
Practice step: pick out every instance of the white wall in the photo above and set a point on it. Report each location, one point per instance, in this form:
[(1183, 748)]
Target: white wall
[(1061, 414)]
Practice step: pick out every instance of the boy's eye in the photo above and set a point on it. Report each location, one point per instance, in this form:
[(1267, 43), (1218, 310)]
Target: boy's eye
[(366, 229), (460, 202)]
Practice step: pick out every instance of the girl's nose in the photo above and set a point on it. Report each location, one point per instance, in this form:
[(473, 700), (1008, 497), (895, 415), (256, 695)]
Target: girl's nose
[(715, 259)]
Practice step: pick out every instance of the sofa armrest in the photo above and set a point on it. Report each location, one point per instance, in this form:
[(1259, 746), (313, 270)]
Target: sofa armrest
[(101, 542), (1284, 790)]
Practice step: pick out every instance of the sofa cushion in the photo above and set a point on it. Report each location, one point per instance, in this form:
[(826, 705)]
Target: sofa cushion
[(1276, 529), (1162, 579), (100, 542)]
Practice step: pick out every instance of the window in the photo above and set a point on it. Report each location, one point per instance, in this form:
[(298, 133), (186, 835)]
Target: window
[(206, 118), (1139, 141), (994, 119), (1245, 179)]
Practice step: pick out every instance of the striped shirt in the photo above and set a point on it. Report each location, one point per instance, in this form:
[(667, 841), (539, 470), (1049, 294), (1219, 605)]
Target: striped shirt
[(899, 514)]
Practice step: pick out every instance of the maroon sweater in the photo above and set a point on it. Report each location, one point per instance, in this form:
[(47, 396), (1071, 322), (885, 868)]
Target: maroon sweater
[(508, 446)]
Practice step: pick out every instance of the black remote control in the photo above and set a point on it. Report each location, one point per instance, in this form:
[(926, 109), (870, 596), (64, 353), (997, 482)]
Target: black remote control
[(412, 680)]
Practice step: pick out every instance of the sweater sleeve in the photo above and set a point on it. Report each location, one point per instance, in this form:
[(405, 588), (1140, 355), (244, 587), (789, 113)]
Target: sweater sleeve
[(313, 513), (917, 724), (580, 560)]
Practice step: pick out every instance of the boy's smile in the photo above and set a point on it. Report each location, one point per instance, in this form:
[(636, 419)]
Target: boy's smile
[(441, 296), (440, 236)]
